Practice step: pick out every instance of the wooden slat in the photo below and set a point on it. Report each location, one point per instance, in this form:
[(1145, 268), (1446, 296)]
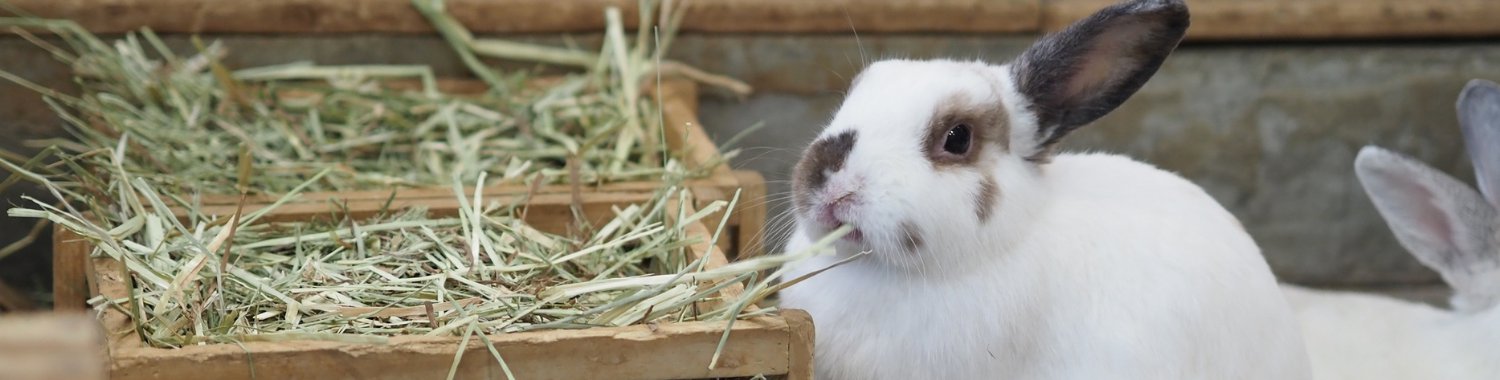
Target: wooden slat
[(864, 16), (63, 346), (536, 16), (111, 281), (766, 345), (1213, 19), (1313, 19), (666, 351), (801, 353)]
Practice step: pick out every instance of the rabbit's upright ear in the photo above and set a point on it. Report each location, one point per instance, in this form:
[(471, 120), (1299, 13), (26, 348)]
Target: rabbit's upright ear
[(1441, 221), (1081, 73), (1479, 117)]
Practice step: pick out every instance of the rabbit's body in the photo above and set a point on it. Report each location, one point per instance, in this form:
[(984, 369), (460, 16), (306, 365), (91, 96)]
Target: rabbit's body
[(1360, 336), (1447, 226), (991, 256), (1064, 301)]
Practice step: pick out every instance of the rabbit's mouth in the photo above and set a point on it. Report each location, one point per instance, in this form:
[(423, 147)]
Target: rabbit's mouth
[(832, 220), (855, 236)]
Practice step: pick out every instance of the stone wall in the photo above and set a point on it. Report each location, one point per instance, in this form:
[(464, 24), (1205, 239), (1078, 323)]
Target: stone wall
[(1270, 130)]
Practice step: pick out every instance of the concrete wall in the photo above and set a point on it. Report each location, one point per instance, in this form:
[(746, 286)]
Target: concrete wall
[(1269, 129)]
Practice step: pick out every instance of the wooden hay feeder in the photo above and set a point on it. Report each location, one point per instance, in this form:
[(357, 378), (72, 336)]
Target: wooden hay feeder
[(770, 345), (686, 139)]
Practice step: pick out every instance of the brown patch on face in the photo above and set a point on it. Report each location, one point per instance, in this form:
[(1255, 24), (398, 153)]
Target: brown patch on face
[(911, 236), (824, 156), (989, 192), (986, 125)]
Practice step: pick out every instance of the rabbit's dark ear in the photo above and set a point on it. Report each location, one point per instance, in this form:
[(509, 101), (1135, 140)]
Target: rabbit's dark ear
[(1441, 221), (1479, 118), (1081, 73)]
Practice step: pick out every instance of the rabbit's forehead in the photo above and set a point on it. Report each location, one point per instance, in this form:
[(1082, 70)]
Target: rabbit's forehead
[(890, 92), (895, 103)]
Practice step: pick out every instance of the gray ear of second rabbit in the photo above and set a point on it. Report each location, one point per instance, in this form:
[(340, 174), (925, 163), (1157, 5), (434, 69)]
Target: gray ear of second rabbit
[(1444, 223)]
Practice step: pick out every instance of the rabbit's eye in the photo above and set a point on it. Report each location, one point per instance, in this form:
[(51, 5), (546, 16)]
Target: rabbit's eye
[(957, 140)]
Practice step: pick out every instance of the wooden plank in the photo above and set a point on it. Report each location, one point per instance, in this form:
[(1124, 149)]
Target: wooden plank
[(69, 279), (1213, 19), (801, 354), (1312, 19), (865, 16), (119, 329), (537, 16), (666, 351), (61, 346)]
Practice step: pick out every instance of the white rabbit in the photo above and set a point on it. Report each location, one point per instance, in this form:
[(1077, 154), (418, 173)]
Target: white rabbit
[(994, 258), (1450, 228)]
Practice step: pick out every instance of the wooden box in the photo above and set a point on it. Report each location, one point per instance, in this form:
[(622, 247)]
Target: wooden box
[(771, 345), (686, 139)]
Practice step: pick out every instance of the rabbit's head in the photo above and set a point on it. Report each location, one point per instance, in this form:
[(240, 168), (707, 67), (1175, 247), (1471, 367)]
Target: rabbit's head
[(1447, 225), (926, 156)]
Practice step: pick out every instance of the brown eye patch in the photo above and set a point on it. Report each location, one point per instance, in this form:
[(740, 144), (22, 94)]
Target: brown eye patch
[(824, 156), (961, 129)]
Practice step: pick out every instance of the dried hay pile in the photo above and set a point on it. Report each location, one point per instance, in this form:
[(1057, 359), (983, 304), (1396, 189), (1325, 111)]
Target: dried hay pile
[(156, 131)]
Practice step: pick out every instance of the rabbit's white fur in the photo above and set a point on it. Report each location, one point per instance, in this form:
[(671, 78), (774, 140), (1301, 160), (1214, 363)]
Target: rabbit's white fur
[(1358, 336), (1089, 266), (1120, 271), (1450, 228)]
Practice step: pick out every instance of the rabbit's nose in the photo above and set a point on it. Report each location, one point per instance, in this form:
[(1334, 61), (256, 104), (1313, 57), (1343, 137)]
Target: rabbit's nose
[(837, 209), (842, 200)]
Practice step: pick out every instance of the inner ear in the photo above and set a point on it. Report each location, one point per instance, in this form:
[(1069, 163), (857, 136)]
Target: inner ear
[(1081, 73)]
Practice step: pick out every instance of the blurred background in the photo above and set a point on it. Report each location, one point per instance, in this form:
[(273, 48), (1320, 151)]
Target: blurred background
[(1264, 106)]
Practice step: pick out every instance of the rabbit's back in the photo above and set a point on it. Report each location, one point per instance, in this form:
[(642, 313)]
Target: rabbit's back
[(1363, 336), (1155, 264)]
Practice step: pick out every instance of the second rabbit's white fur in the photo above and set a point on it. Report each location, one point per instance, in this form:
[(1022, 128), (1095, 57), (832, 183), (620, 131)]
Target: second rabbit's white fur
[(1450, 228), (992, 257)]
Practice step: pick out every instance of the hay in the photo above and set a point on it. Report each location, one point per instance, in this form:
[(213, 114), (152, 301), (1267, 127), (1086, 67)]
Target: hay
[(156, 134), (186, 114)]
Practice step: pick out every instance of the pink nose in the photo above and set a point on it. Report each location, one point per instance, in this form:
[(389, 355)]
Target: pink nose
[(836, 211)]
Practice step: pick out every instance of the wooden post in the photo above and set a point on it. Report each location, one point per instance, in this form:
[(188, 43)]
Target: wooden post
[(70, 254), (800, 350)]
